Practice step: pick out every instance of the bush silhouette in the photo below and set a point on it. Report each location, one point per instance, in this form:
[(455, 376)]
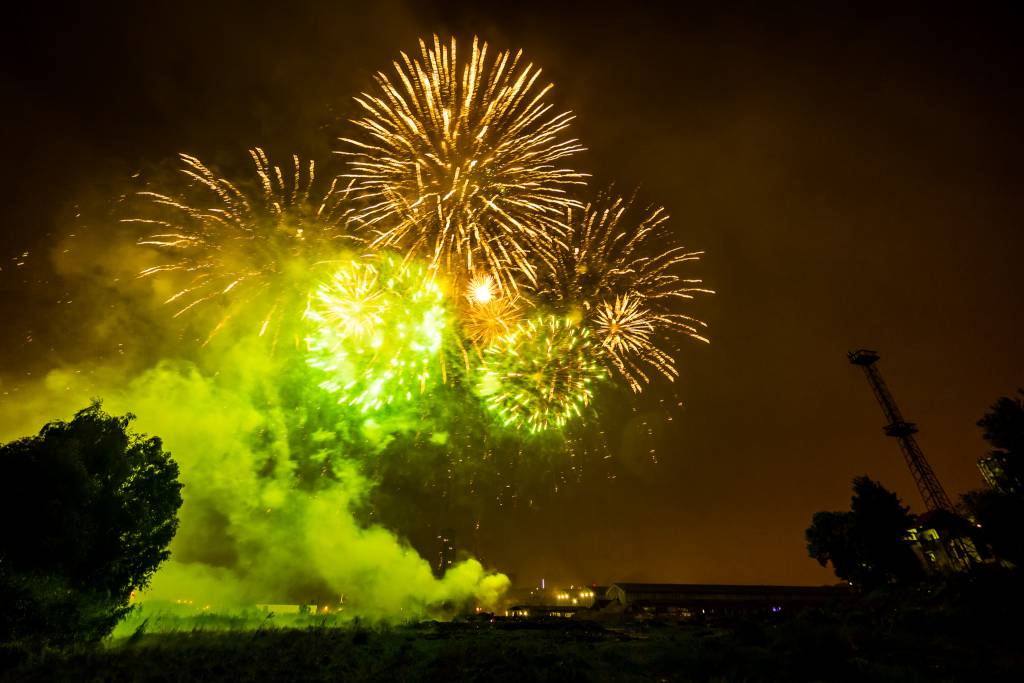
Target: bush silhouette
[(89, 508), (865, 545)]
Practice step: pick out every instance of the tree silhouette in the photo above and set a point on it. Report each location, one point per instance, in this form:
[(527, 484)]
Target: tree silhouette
[(1003, 427), (1001, 516), (1000, 509), (866, 545), (89, 508)]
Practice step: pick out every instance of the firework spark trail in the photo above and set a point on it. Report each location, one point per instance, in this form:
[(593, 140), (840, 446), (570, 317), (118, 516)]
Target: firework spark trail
[(255, 247), (541, 375), (617, 276), (464, 171)]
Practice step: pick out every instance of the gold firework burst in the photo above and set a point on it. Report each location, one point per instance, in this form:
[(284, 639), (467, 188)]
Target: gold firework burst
[(484, 323), (627, 330), (487, 312), (616, 272), (461, 162), (252, 250), (609, 252)]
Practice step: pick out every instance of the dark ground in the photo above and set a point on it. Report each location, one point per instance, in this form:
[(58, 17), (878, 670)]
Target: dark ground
[(944, 632)]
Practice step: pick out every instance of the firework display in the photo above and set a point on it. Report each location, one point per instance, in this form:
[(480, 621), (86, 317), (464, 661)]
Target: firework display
[(454, 231)]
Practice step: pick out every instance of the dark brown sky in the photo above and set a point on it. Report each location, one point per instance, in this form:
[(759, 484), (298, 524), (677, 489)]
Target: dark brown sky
[(854, 175)]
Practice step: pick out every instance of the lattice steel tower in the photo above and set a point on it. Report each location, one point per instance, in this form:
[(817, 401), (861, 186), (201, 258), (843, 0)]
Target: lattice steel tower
[(932, 493)]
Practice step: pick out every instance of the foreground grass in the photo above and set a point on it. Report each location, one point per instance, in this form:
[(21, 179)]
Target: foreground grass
[(962, 629), (517, 651), (539, 651), (506, 651)]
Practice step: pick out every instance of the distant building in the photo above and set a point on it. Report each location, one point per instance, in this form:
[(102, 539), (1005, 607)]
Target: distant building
[(541, 611), (673, 600), (691, 600), (942, 542), (540, 601), (579, 596)]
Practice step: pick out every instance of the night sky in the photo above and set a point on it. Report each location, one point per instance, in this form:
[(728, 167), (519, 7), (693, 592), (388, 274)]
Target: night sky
[(854, 176)]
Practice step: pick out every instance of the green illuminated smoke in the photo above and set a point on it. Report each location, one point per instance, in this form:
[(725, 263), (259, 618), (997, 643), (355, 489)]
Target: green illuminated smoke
[(276, 487), (541, 375), (379, 325)]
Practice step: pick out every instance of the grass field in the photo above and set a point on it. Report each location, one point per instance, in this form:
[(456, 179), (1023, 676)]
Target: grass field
[(960, 629), (806, 648)]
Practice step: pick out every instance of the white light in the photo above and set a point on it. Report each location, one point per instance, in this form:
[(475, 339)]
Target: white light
[(481, 289), (482, 294)]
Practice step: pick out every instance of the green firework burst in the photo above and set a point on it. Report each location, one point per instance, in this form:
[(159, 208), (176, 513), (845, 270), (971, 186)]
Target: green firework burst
[(380, 324), (540, 376)]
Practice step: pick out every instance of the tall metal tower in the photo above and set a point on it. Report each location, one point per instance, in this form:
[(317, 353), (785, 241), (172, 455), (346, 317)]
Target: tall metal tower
[(931, 490)]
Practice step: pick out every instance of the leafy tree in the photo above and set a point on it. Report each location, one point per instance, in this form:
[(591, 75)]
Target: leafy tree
[(866, 545), (829, 539), (1000, 510), (1003, 427), (1001, 516), (89, 508), (1003, 424)]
